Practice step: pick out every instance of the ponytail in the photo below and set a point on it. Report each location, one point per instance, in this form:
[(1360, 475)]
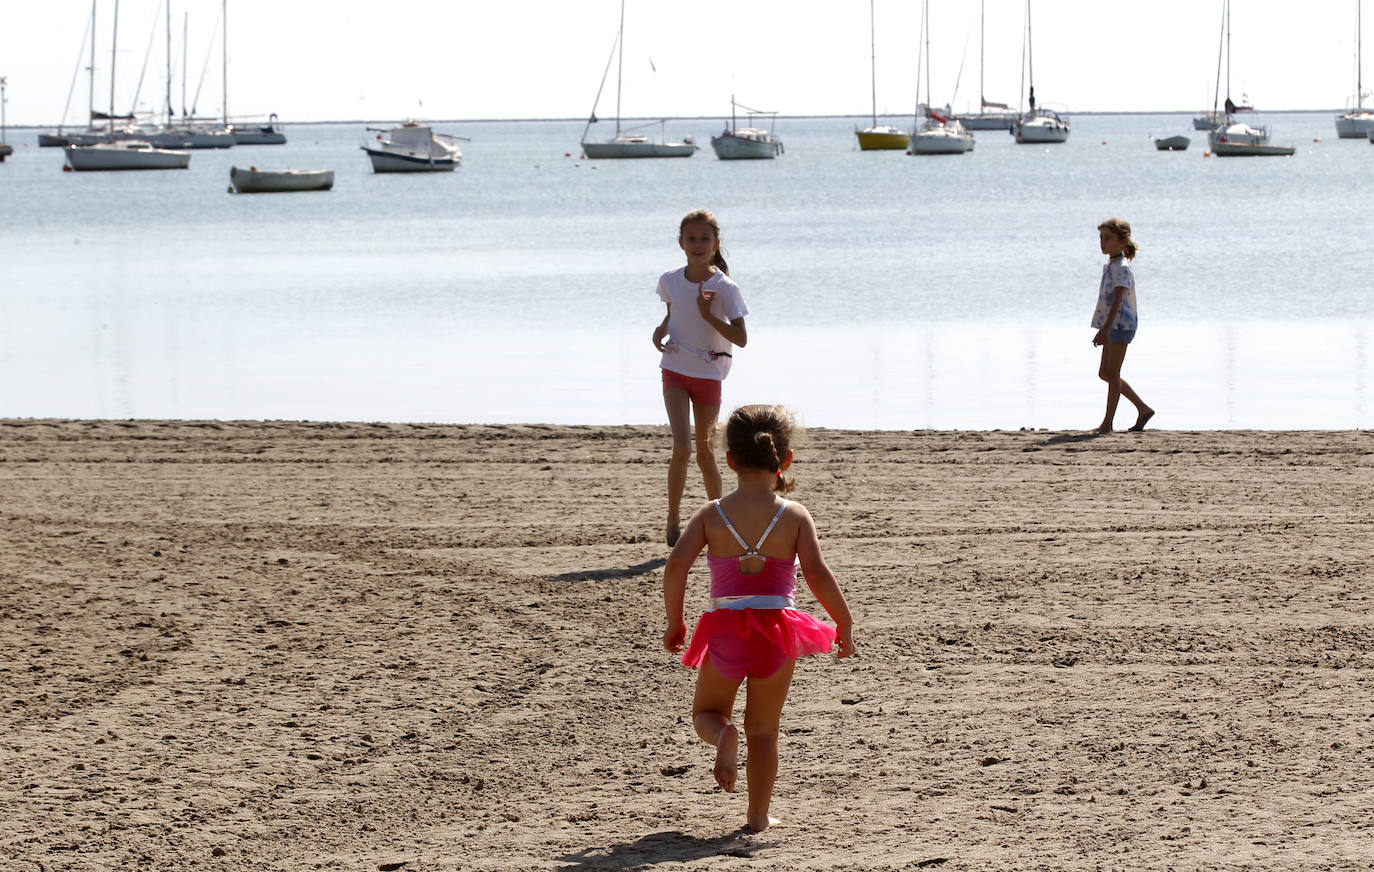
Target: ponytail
[(758, 437), (1123, 231)]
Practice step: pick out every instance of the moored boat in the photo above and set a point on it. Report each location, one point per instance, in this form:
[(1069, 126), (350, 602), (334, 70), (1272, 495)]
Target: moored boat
[(1357, 122), (1001, 117), (625, 144), (878, 137), (256, 181), (746, 143), (264, 134), (125, 154), (412, 148), (1172, 143), (631, 145), (937, 133), (1040, 124), (1233, 137)]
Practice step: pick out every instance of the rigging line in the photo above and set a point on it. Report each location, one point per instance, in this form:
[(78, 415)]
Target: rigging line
[(146, 55), (195, 101), (76, 72), (959, 77), (591, 119)]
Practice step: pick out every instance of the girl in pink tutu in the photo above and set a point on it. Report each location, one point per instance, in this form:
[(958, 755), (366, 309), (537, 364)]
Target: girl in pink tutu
[(751, 629)]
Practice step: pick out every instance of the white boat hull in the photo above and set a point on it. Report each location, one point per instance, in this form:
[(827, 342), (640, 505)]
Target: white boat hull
[(1251, 149), (728, 146), (1040, 130), (999, 121), (254, 181), (1239, 139), (218, 138), (940, 136), (1354, 125), (259, 137), (390, 162), (125, 155), (615, 149)]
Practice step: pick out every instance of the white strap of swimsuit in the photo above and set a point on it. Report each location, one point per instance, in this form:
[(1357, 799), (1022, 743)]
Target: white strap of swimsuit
[(729, 526), (749, 552)]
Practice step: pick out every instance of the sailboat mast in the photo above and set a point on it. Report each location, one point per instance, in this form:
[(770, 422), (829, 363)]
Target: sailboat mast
[(873, 61), (982, 22), (925, 25), (169, 63), (1228, 51), (1030, 57), (1359, 59), (620, 68), (185, 56), (90, 103), (114, 36), (224, 58)]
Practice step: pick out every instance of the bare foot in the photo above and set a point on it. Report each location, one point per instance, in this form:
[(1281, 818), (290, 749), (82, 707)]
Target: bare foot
[(763, 823), (674, 531), (1103, 428), (1141, 421), (727, 758)]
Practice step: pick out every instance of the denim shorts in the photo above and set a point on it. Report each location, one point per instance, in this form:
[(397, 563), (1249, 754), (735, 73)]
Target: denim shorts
[(1119, 334)]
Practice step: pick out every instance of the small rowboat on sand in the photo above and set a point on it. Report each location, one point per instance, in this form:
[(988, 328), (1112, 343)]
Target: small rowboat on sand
[(256, 181)]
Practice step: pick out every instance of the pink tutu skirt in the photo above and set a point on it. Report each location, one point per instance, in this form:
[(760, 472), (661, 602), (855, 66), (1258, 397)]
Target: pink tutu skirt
[(756, 642)]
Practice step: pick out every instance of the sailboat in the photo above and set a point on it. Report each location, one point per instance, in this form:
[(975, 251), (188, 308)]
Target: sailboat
[(123, 154), (59, 138), (878, 137), (1001, 118), (1039, 125), (1357, 123), (747, 143), (5, 148), (938, 133), (625, 143), (1233, 137)]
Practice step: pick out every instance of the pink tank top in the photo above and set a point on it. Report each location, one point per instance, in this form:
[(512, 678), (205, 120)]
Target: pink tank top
[(774, 587)]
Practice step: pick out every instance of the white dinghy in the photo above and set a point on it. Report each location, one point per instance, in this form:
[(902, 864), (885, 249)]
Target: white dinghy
[(256, 181)]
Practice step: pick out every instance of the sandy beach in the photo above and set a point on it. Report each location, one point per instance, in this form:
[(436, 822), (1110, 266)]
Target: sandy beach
[(320, 646)]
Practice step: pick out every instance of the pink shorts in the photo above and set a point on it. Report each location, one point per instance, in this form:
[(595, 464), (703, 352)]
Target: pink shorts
[(703, 391)]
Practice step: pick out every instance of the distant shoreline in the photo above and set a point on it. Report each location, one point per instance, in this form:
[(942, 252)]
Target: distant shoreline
[(1085, 113)]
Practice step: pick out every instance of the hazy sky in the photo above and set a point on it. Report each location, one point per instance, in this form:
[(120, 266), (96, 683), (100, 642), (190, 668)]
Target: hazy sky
[(310, 60)]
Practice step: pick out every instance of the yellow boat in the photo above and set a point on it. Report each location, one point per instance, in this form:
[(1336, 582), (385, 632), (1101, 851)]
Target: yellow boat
[(881, 138), (878, 137)]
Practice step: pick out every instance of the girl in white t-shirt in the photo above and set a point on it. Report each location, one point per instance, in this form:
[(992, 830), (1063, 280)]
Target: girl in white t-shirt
[(705, 321), (1115, 319)]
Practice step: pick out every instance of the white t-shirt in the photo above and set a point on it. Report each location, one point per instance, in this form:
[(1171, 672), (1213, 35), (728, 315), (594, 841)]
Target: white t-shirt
[(1116, 274), (693, 347)]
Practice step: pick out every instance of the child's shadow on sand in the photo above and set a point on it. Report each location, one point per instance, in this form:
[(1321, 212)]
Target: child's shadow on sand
[(615, 572), (1073, 437), (665, 847)]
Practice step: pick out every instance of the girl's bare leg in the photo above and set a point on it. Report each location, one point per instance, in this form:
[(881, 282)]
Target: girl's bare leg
[(679, 407), (1113, 356), (705, 417), (712, 707), (764, 699)]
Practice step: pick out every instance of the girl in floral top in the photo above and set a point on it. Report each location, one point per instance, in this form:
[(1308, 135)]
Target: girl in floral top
[(1115, 320)]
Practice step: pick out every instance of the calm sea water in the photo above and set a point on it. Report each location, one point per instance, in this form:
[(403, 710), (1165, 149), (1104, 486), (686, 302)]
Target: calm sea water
[(887, 291)]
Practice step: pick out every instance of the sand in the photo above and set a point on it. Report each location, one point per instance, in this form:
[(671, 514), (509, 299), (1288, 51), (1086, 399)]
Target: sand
[(317, 646)]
